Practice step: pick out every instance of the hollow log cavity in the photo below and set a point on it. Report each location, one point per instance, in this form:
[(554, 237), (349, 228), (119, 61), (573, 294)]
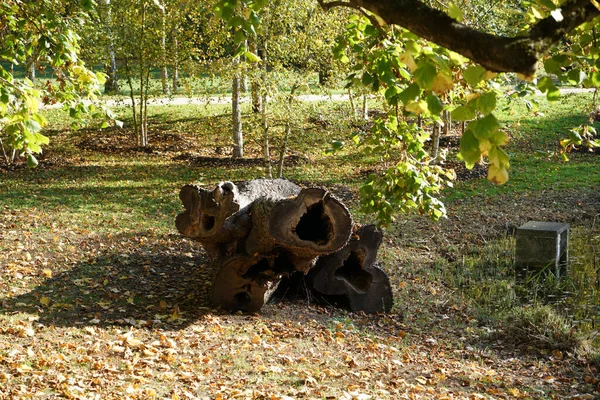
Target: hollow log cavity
[(352, 271), (315, 225)]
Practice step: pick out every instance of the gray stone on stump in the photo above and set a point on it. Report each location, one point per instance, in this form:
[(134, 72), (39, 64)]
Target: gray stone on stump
[(543, 246)]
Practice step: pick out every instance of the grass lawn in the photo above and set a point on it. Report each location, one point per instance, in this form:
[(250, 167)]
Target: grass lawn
[(102, 297)]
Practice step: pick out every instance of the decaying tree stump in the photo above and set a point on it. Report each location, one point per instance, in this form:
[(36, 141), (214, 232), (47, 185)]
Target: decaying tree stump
[(354, 274), (262, 230)]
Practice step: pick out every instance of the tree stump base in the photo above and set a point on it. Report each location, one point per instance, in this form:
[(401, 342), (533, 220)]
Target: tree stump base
[(261, 231)]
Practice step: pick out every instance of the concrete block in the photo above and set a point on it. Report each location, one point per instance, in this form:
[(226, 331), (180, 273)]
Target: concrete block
[(542, 245)]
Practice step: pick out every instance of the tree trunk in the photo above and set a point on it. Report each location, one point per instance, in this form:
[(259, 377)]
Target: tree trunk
[(265, 124), (447, 122), (260, 231), (255, 86), (175, 74), (236, 114), (111, 86), (365, 108), (309, 225), (132, 97), (352, 274), (435, 140), (164, 73), (284, 144), (30, 67), (352, 106)]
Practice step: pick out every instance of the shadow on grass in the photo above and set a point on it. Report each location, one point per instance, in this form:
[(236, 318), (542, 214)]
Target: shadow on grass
[(156, 285)]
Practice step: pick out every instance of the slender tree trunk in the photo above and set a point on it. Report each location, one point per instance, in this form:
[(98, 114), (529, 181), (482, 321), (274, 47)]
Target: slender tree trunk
[(132, 96), (175, 76), (266, 152), (236, 113), (30, 68), (352, 105), (146, 141), (284, 145), (111, 86), (447, 122), (255, 85), (143, 89), (435, 140), (365, 108), (4, 151), (288, 131), (164, 73), (244, 73)]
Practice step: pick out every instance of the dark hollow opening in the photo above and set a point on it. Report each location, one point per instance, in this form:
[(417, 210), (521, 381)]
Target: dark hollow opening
[(259, 272), (352, 272), (283, 263), (208, 222), (315, 225), (242, 301)]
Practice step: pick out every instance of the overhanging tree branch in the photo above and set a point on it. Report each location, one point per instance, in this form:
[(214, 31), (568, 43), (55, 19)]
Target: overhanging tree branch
[(496, 53)]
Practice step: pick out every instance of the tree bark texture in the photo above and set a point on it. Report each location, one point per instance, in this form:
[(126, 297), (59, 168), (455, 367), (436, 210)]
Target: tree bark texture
[(258, 232), (496, 53), (236, 114)]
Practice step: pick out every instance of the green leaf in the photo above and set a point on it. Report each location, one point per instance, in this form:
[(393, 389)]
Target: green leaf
[(498, 175), (546, 85), (498, 157), (32, 162), (87, 5), (463, 113), (434, 104), (239, 37), (474, 74), (486, 103), (499, 138), (484, 127), (367, 79), (41, 139), (469, 149), (576, 76), (417, 107), (31, 125), (390, 93), (258, 4), (553, 94), (413, 47), (251, 57), (34, 147), (236, 22), (337, 144), (411, 93), (425, 75), (241, 49), (552, 66), (595, 78), (455, 12), (546, 3)]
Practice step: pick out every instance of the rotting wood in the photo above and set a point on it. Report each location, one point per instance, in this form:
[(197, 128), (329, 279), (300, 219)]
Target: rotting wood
[(260, 231)]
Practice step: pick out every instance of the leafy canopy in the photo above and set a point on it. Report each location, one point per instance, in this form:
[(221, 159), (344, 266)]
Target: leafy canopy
[(426, 63), (40, 33)]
